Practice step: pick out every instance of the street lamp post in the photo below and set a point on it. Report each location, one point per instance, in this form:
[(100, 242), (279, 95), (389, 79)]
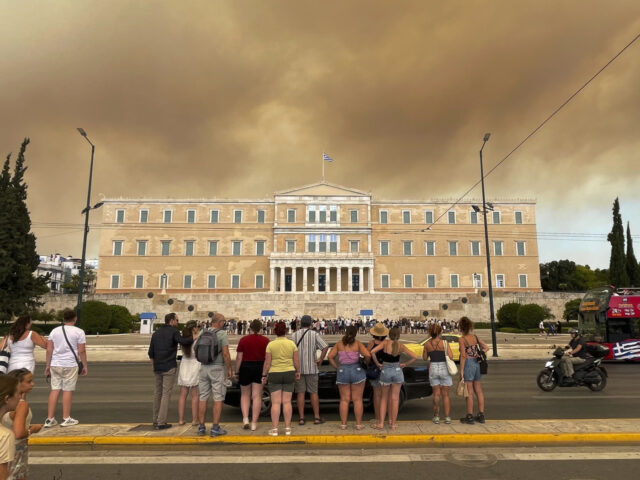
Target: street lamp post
[(163, 281), (486, 246)]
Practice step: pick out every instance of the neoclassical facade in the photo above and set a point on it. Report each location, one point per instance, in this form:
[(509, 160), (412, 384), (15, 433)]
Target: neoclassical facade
[(320, 238)]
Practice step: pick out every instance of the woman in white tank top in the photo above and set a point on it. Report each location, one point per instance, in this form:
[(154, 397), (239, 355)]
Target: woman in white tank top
[(22, 341)]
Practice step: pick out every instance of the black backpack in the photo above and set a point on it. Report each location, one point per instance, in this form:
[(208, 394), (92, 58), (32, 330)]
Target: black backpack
[(207, 348)]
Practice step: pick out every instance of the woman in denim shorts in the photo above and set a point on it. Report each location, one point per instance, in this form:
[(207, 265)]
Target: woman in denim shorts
[(439, 378), (350, 375), (379, 333), (391, 377), (470, 368)]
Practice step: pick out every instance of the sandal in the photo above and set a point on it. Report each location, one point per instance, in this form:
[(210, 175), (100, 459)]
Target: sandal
[(273, 432), (181, 423), (394, 426), (302, 421), (254, 426), (287, 431), (359, 427), (375, 426), (318, 421), (343, 427)]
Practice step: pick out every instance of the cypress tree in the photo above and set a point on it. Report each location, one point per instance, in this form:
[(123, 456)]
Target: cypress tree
[(617, 263), (633, 269)]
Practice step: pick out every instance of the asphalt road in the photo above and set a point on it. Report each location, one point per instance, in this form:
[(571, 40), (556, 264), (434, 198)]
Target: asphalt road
[(123, 393)]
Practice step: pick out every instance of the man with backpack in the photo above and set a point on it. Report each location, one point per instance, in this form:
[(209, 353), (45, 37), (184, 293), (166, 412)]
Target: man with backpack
[(212, 351)]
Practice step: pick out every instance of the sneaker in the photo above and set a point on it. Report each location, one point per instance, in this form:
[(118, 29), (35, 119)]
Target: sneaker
[(480, 418), (50, 422), (468, 419), (69, 422), (436, 420), (162, 426), (447, 420), (202, 429), (216, 432)]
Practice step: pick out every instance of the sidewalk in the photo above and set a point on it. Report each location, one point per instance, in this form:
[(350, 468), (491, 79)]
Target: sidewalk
[(508, 432)]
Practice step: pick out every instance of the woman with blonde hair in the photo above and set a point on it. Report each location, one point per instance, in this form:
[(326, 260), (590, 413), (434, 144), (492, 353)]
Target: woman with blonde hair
[(391, 376), (435, 349)]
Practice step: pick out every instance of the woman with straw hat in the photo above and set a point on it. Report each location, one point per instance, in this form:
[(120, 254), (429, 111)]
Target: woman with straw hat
[(379, 333)]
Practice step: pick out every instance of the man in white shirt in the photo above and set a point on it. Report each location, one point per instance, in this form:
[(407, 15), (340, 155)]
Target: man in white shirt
[(63, 355)]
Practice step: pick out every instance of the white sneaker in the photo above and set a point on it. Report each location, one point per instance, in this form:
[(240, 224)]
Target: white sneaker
[(68, 422), (50, 422)]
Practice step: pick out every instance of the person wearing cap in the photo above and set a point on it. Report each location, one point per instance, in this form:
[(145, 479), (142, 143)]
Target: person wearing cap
[(309, 342), (379, 333)]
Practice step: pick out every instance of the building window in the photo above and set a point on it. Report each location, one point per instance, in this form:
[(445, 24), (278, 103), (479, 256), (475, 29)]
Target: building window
[(430, 248), (354, 246), (497, 248), (354, 216), (520, 249), (236, 248), (408, 281), (477, 280), (312, 214), (311, 243), (428, 216), (235, 281), (186, 281), (384, 281), (237, 216), (139, 281), (333, 243), (166, 247), (322, 211), (189, 247), (333, 213), (496, 218), (384, 216), (211, 281), (144, 216), (261, 216), (384, 247), (213, 247), (215, 216), (431, 280), (475, 249), (473, 216), (142, 247), (291, 215), (260, 247), (451, 216), (259, 281), (522, 280), (322, 243), (191, 216), (119, 216), (453, 280), (406, 247), (499, 280), (167, 216), (291, 246), (453, 249), (115, 281), (518, 216), (406, 216), (117, 247)]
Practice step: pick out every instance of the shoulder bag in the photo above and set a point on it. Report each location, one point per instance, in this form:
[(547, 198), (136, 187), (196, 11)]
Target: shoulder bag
[(5, 354), (451, 365), (482, 357), (80, 365)]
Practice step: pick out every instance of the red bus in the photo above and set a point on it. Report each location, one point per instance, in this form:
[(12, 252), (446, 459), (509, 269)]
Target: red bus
[(611, 317)]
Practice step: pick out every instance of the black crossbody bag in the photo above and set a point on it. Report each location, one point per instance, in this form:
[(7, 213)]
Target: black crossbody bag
[(80, 365)]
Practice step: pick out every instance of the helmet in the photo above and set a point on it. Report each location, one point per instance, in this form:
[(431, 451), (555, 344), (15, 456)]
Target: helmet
[(573, 331)]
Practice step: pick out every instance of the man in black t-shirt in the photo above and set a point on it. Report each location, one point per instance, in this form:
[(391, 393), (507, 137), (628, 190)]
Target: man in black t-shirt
[(575, 354)]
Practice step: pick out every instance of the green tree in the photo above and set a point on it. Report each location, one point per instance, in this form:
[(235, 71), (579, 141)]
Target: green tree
[(571, 309), (96, 317), (19, 288), (617, 263), (556, 276), (71, 286), (530, 315), (508, 315), (633, 269), (120, 318)]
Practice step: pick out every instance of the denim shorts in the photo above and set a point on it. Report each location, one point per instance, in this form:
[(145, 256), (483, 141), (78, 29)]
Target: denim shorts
[(439, 375), (350, 374), (472, 370), (375, 383), (391, 373)]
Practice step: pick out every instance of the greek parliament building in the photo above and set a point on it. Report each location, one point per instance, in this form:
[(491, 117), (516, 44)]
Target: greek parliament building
[(323, 241)]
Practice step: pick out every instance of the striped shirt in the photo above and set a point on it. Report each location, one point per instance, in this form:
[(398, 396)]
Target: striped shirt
[(308, 348)]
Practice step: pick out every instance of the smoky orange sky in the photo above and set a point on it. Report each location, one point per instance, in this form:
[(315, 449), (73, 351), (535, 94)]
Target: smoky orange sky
[(239, 99)]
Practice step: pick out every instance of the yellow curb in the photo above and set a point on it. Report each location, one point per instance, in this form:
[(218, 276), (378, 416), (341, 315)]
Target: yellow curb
[(439, 439)]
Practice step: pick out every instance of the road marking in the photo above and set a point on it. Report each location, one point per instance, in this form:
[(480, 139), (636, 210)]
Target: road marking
[(147, 458), (576, 397)]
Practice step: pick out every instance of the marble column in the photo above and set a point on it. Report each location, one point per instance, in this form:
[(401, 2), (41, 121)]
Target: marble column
[(370, 279), (293, 278), (350, 279), (339, 279), (272, 279), (282, 272), (327, 281), (316, 278), (304, 279)]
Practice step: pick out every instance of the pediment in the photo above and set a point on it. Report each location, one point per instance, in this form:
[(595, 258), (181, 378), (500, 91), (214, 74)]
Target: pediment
[(323, 189)]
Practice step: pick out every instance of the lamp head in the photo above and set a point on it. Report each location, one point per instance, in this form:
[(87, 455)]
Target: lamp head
[(98, 205), (82, 132), (486, 136), (475, 208)]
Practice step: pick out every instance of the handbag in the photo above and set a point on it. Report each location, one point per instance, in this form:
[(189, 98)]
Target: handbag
[(373, 372), (5, 354), (451, 365), (80, 365), (482, 358), (461, 391)]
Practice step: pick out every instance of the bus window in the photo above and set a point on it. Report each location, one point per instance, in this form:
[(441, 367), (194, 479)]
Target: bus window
[(618, 329)]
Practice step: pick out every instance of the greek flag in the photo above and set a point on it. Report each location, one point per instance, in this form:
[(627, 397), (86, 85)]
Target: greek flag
[(326, 157)]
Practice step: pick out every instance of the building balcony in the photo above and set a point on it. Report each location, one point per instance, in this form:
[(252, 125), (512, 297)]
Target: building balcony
[(320, 256)]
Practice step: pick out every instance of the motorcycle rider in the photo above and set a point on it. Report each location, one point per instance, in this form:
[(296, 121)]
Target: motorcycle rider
[(576, 353)]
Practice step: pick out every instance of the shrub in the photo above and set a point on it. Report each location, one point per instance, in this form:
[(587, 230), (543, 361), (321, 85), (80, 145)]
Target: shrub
[(508, 315), (510, 330), (571, 309), (482, 325), (95, 317), (114, 330), (530, 315), (121, 319), (533, 330)]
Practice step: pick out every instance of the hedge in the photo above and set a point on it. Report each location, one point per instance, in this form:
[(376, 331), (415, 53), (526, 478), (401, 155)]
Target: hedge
[(510, 330), (508, 315), (530, 316)]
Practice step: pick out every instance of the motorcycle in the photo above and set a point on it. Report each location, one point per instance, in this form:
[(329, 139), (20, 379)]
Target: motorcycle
[(590, 373)]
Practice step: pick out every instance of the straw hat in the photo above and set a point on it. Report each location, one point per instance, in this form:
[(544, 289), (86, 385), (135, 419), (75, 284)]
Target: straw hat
[(379, 330)]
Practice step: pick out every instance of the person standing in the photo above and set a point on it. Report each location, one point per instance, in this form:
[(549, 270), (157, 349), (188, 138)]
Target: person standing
[(189, 375), (162, 352), (435, 349), (379, 334), (470, 370), (9, 398), (309, 342), (66, 350), (22, 342), (212, 351)]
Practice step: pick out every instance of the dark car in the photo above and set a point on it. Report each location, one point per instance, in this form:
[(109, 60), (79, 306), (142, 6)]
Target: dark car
[(416, 385)]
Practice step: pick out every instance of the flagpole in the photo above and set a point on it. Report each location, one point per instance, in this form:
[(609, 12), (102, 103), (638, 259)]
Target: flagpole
[(323, 167)]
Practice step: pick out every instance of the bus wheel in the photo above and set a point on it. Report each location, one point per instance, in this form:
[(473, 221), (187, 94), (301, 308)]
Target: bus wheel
[(547, 381)]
